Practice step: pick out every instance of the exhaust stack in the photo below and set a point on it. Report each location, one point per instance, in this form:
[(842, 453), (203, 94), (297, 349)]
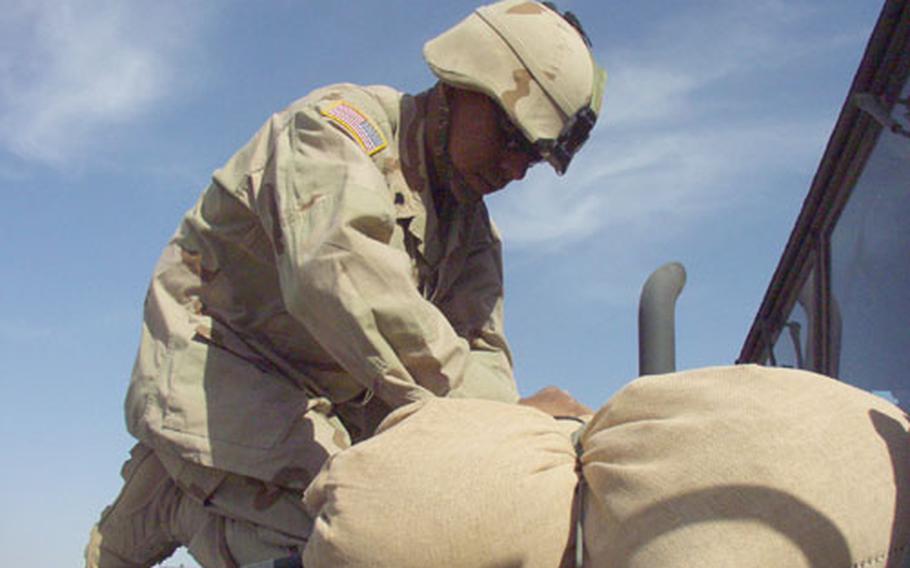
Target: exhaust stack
[(657, 319)]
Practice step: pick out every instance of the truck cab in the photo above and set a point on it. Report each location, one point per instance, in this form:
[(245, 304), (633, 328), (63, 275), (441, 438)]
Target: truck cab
[(839, 301)]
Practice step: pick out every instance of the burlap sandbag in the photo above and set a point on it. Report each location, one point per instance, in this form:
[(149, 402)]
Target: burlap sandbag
[(746, 466), (451, 483)]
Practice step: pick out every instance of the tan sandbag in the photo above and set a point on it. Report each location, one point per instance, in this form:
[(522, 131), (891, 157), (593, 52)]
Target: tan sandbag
[(452, 483), (746, 466)]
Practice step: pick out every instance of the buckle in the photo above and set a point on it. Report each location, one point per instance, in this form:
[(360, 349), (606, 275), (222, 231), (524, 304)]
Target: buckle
[(559, 152)]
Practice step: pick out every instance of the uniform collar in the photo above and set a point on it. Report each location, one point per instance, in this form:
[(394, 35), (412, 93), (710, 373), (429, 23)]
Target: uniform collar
[(415, 207)]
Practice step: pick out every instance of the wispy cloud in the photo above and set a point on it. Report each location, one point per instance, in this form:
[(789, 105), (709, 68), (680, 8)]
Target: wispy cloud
[(680, 140), (72, 68), (667, 180)]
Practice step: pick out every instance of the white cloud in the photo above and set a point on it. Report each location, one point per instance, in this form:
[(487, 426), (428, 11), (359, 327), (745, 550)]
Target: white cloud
[(542, 210), (639, 94), (668, 180), (72, 68)]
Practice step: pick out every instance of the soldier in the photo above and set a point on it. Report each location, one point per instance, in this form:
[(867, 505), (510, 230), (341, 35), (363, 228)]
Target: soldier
[(340, 265)]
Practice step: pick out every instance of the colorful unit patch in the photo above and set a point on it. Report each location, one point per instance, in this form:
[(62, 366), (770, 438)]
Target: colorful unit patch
[(358, 125)]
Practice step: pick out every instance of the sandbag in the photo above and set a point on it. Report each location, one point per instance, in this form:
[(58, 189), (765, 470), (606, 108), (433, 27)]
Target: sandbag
[(746, 466), (728, 466), (452, 483)]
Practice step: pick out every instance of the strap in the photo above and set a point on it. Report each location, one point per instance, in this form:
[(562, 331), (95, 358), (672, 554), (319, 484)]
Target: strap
[(578, 503), (579, 499)]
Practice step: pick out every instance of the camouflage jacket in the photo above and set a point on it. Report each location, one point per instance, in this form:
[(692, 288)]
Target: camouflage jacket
[(311, 274)]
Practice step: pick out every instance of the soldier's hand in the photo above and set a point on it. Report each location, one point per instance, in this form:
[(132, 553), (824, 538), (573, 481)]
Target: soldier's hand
[(556, 402)]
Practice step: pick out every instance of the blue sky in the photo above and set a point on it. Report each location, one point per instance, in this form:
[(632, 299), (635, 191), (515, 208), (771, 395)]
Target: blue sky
[(114, 114)]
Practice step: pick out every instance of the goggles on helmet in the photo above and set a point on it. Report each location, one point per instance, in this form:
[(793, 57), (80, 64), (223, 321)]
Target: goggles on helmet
[(559, 152)]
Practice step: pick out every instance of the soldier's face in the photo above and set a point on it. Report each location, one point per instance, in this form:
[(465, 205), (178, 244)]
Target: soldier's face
[(479, 148)]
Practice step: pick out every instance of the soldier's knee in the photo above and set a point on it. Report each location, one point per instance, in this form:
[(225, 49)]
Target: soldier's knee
[(134, 531), (153, 515)]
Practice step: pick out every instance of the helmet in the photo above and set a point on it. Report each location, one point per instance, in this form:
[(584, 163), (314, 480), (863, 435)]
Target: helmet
[(534, 62)]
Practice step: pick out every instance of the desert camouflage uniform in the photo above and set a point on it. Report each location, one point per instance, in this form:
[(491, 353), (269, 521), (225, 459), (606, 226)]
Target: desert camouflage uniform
[(310, 289)]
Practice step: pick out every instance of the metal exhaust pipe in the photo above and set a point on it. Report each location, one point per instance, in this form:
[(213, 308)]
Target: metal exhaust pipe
[(657, 319)]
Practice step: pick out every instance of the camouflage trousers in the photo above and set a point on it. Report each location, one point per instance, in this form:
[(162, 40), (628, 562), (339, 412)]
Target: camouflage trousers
[(225, 520)]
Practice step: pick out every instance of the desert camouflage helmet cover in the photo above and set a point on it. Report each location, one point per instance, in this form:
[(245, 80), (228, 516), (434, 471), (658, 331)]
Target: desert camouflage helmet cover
[(534, 63)]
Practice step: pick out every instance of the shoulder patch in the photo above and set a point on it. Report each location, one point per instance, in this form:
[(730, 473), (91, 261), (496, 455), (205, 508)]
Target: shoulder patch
[(357, 124)]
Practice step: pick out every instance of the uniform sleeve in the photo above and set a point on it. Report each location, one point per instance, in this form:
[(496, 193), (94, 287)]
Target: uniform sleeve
[(330, 216), (475, 307)]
